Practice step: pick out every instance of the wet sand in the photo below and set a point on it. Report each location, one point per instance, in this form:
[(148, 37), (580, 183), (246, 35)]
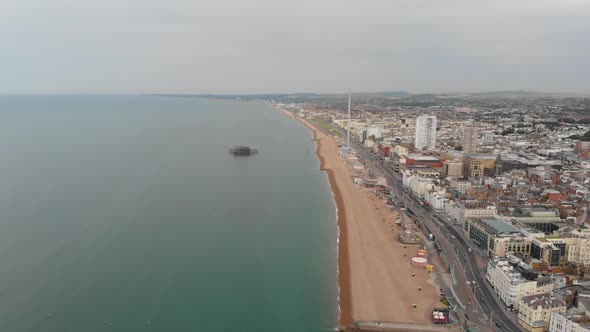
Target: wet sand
[(375, 278)]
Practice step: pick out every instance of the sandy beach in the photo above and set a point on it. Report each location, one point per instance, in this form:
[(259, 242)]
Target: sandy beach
[(375, 279)]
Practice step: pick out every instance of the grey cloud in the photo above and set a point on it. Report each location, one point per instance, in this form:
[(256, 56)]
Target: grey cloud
[(234, 46)]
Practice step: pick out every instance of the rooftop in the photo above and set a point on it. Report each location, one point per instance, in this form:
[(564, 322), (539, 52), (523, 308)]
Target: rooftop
[(496, 226), (422, 157), (545, 301)]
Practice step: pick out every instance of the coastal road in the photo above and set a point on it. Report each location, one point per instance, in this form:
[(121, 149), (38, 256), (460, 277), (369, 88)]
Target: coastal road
[(370, 160), (481, 303), (378, 271)]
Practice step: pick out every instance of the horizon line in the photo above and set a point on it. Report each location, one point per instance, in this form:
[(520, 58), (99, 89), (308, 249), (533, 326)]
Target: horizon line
[(344, 93)]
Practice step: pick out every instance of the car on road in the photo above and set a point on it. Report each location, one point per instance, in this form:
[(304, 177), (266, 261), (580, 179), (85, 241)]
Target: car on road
[(498, 323)]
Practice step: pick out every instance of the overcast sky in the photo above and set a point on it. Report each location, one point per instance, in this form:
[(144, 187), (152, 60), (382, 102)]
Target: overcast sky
[(274, 46)]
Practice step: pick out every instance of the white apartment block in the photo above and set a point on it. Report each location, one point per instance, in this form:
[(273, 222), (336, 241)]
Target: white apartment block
[(376, 132), (459, 212), (418, 184), (436, 199), (509, 283), (425, 132)]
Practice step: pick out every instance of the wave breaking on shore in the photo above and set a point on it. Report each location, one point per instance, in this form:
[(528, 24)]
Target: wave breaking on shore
[(343, 269)]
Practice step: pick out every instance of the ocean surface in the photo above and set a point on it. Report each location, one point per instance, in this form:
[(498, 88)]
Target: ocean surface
[(127, 213)]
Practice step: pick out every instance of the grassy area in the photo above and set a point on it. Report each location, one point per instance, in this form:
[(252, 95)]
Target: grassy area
[(325, 126)]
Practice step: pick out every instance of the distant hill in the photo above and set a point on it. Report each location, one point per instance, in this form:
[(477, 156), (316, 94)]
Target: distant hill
[(292, 97), (295, 97), (393, 98), (393, 94)]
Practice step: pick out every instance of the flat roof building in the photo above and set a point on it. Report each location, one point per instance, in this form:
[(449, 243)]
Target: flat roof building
[(496, 237)]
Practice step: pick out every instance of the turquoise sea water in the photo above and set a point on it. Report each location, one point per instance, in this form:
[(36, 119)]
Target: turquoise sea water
[(128, 214)]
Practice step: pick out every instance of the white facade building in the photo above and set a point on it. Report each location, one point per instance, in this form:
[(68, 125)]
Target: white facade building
[(459, 212), (436, 199), (559, 323), (376, 132), (510, 285), (418, 184), (425, 132)]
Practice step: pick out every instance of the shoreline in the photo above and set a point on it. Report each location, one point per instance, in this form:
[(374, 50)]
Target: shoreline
[(343, 262), (376, 280), (344, 301)]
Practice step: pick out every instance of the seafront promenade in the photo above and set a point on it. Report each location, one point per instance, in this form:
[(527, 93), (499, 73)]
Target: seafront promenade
[(377, 283)]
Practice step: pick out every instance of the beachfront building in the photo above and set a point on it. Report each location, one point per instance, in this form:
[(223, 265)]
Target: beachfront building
[(436, 198), (420, 182), (422, 160), (425, 132), (512, 280), (460, 211), (535, 311), (419, 185), (496, 237)]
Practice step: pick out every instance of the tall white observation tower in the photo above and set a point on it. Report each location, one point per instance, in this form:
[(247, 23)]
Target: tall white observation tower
[(425, 132), (348, 123)]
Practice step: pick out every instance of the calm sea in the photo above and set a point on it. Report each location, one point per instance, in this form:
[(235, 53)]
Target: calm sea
[(129, 214)]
